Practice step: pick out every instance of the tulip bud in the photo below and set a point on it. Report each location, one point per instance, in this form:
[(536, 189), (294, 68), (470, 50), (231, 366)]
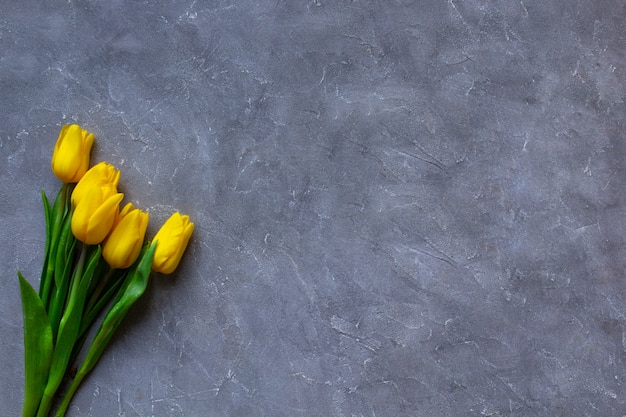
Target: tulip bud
[(123, 245), (70, 158), (95, 214), (97, 176), (171, 242)]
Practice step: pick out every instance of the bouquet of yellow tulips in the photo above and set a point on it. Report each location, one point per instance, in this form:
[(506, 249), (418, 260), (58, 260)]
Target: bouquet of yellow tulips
[(96, 264)]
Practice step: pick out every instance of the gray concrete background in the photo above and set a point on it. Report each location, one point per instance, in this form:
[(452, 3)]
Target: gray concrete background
[(402, 208)]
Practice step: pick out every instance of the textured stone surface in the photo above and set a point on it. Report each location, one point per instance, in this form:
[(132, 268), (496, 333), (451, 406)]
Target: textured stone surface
[(403, 208)]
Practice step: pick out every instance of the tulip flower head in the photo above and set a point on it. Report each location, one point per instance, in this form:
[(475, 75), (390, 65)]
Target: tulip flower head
[(171, 242), (123, 245), (97, 176), (70, 158), (95, 214)]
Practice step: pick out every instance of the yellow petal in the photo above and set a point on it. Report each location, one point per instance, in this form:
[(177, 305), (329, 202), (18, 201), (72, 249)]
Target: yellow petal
[(172, 240), (98, 175), (70, 158), (93, 218), (123, 245)]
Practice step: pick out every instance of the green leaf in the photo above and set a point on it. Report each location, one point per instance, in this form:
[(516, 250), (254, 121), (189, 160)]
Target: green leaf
[(37, 347), (134, 286), (48, 216), (56, 216)]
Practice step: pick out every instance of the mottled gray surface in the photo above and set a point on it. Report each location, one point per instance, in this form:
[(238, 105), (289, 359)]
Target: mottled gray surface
[(403, 208)]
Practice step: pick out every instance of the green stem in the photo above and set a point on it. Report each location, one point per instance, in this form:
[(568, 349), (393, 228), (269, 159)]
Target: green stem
[(62, 274), (96, 294), (96, 305), (68, 329), (46, 404), (96, 309), (134, 285), (80, 375)]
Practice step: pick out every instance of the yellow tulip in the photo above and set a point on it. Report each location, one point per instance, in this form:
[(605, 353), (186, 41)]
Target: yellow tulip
[(95, 214), (171, 242), (123, 245), (70, 158), (97, 176)]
